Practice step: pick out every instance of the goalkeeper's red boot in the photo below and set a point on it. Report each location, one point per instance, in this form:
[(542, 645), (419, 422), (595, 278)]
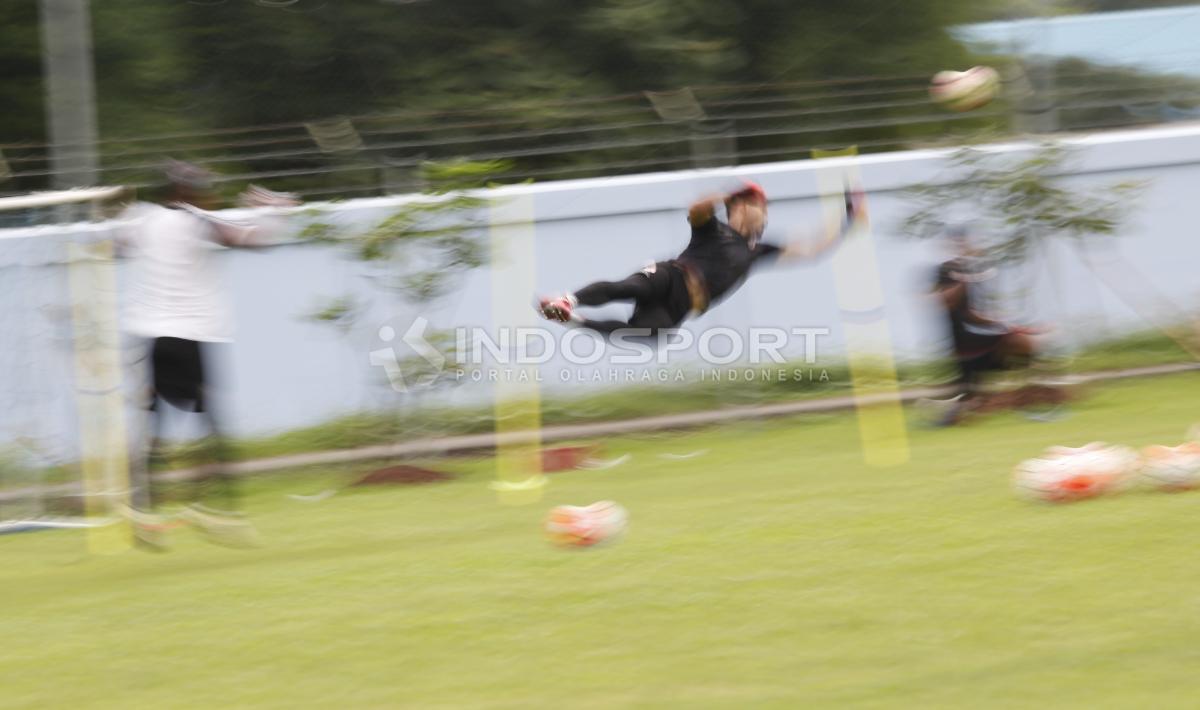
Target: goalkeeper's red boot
[(558, 308)]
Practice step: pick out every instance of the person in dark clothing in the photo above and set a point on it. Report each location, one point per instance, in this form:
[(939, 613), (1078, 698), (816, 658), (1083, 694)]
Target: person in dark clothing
[(980, 344), (715, 263)]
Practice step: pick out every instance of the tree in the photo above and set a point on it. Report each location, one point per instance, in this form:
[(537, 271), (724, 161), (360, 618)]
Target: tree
[(1092, 95), (192, 68), (417, 254), (1016, 204), (1020, 199)]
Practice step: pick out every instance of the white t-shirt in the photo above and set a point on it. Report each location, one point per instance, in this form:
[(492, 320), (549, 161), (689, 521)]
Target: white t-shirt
[(176, 290)]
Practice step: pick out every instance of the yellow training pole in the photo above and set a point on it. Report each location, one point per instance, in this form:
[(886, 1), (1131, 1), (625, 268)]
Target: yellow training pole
[(517, 403), (881, 425)]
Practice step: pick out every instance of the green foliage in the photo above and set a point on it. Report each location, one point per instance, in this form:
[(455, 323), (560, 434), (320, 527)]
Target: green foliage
[(527, 69), (419, 251), (427, 243), (1127, 95), (21, 92), (191, 67), (339, 312), (1020, 200), (316, 230), (447, 176)]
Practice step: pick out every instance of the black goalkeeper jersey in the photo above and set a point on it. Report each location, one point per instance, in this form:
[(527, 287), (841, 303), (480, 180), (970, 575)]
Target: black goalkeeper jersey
[(723, 257), (969, 338)]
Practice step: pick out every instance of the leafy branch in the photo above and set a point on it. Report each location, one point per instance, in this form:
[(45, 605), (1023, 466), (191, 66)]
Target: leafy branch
[(427, 243), (1020, 199)]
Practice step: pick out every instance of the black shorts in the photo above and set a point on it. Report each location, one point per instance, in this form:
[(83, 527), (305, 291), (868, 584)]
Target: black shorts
[(981, 354), (669, 301), (177, 373), (976, 346)]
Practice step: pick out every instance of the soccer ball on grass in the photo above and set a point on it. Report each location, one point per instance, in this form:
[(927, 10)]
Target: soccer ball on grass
[(585, 526), (1064, 473)]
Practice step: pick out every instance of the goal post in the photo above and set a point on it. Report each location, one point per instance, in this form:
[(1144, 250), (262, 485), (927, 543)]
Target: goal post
[(99, 394), (63, 361), (80, 204)]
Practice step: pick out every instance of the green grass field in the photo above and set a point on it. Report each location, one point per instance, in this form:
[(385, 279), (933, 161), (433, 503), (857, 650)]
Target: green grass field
[(773, 571)]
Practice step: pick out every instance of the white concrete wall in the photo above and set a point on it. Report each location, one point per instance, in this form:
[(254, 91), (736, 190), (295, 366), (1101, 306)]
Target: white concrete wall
[(285, 372)]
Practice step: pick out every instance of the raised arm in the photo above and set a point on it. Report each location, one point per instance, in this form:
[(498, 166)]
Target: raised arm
[(703, 210), (235, 234), (807, 248)]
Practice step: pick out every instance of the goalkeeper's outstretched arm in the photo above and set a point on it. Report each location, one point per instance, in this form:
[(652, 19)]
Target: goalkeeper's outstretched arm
[(251, 234), (809, 248)]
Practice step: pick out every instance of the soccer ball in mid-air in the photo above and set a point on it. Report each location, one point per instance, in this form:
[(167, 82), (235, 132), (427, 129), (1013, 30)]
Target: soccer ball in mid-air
[(1063, 473), (1172, 468), (584, 526), (964, 90)]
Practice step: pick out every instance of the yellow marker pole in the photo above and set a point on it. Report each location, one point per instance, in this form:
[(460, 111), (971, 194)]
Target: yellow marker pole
[(882, 428), (104, 456), (517, 393)]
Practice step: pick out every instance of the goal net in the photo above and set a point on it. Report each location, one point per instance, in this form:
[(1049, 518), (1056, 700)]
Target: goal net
[(63, 443)]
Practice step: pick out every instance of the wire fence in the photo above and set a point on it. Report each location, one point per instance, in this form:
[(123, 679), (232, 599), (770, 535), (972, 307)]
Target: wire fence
[(702, 126)]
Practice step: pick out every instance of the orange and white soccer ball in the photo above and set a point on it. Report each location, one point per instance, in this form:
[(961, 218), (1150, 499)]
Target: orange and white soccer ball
[(1172, 468), (584, 526), (964, 90), (1064, 473)]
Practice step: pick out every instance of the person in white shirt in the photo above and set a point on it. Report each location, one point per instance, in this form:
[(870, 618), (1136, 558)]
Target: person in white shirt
[(178, 306)]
